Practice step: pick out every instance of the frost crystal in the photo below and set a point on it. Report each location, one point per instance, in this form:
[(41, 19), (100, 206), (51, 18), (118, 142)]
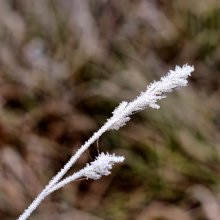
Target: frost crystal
[(154, 92), (101, 166)]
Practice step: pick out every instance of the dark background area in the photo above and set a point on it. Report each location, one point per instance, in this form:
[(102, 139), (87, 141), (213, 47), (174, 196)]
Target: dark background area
[(64, 67)]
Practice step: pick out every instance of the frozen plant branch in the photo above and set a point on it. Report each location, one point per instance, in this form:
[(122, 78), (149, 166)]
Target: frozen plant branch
[(101, 166), (154, 92), (121, 115)]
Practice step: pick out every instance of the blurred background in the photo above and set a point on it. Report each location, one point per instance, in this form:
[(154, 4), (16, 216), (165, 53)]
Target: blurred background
[(64, 67)]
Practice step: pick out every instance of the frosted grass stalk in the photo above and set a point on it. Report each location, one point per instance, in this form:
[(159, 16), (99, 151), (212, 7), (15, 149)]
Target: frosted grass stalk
[(94, 170), (121, 115)]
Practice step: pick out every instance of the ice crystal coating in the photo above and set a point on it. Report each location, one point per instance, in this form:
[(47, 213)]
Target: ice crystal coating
[(101, 166), (154, 92)]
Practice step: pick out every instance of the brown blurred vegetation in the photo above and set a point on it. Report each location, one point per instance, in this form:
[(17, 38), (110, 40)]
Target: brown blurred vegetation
[(65, 65)]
